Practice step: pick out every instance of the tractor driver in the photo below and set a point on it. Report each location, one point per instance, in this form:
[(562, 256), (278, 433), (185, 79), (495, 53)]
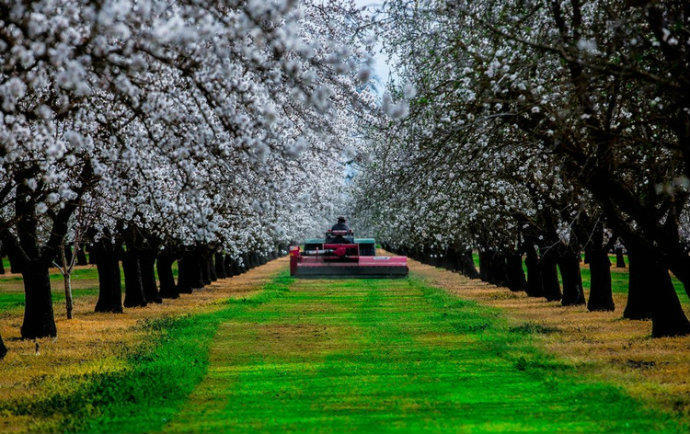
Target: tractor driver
[(340, 226)]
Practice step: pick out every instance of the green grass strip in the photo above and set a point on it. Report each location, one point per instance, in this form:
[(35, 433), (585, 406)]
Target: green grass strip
[(159, 375)]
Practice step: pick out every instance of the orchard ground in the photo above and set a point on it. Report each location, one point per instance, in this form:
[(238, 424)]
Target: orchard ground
[(436, 352)]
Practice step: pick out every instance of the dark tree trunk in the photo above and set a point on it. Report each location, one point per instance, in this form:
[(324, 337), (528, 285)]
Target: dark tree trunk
[(134, 289), (3, 349), (229, 266), (204, 269), (220, 266), (535, 288), (484, 265), (15, 262), (668, 318), (184, 275), (109, 283), (2, 265), (190, 272), (467, 264), (92, 255), (39, 320), (600, 295), (81, 256), (569, 264), (68, 254), (640, 286), (211, 267), (515, 272), (620, 258), (549, 274), (147, 260), (165, 276)]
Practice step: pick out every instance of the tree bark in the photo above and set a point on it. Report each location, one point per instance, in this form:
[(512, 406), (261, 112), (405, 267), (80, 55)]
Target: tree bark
[(211, 267), (81, 256), (484, 265), (184, 278), (134, 289), (668, 318), (535, 288), (600, 295), (92, 256), (620, 258), (166, 277), (109, 283), (515, 272), (640, 284), (230, 269), (220, 266), (15, 262), (2, 265), (39, 321), (204, 269), (147, 260), (3, 349), (467, 264), (549, 274), (569, 264)]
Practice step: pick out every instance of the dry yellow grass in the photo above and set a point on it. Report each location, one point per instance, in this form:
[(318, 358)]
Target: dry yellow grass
[(91, 341), (609, 347)]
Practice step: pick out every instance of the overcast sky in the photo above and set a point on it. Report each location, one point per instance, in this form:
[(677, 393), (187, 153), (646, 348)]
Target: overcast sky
[(381, 68)]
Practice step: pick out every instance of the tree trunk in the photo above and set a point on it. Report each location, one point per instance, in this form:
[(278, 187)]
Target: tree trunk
[(467, 264), (515, 272), (67, 279), (569, 264), (211, 267), (3, 349), (600, 295), (620, 258), (484, 265), (15, 262), (229, 266), (184, 277), (549, 274), (134, 289), (109, 283), (668, 318), (39, 321), (166, 277), (640, 284), (2, 265), (81, 256), (220, 266), (147, 260), (68, 253), (204, 269), (92, 256), (534, 280)]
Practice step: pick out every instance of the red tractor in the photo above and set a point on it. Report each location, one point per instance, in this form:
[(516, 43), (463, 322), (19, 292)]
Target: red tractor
[(340, 254)]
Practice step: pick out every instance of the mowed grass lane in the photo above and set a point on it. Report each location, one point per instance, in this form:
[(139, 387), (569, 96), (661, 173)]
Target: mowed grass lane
[(393, 356)]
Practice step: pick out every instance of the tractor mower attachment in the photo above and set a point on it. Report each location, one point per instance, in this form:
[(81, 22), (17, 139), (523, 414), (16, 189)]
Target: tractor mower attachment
[(342, 255)]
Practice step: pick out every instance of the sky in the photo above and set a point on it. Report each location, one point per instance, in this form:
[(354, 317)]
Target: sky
[(381, 67)]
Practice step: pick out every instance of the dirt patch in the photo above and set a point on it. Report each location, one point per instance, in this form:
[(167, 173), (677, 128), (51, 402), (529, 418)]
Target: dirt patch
[(609, 347)]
